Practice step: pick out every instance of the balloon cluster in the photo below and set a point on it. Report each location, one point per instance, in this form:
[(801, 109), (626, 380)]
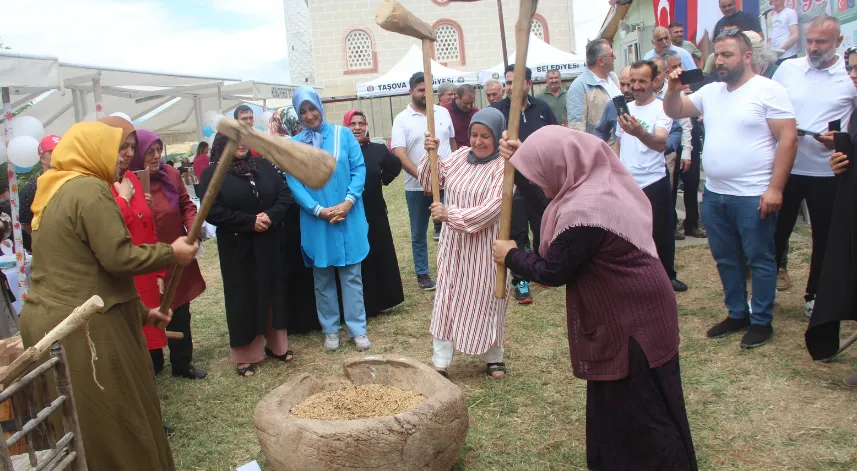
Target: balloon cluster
[(23, 148), (209, 123)]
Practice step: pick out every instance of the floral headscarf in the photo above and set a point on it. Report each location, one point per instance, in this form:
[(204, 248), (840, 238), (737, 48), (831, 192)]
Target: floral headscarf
[(284, 122)]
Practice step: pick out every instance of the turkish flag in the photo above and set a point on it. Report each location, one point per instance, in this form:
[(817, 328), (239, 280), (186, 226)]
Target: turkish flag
[(664, 12)]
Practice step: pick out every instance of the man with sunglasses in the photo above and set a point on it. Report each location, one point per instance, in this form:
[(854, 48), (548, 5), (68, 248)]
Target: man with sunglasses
[(751, 140), (662, 43), (821, 91)]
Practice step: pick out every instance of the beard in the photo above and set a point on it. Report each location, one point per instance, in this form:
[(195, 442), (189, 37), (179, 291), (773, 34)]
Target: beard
[(817, 59), (731, 75), (420, 103)]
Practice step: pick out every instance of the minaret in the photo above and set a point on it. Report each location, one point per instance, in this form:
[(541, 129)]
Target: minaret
[(299, 39)]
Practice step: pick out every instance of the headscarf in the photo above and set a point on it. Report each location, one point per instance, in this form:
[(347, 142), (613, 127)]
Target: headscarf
[(145, 140), (284, 122), (88, 149), (591, 187), (307, 135), (350, 114), (244, 167), (120, 123), (494, 120)]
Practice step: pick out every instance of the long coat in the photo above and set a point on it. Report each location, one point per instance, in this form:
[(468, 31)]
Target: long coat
[(382, 282), (82, 249), (172, 223), (253, 265), (346, 242)]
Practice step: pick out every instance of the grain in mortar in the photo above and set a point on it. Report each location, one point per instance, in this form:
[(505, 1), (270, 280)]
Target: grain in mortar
[(357, 402)]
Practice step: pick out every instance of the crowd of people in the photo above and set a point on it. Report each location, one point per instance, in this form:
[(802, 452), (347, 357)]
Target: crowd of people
[(599, 168)]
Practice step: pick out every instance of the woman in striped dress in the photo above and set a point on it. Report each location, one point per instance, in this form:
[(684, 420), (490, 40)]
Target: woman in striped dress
[(466, 316)]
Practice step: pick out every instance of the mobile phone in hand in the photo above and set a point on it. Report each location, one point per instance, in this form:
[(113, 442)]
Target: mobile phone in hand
[(688, 77), (621, 105), (834, 126), (842, 143)]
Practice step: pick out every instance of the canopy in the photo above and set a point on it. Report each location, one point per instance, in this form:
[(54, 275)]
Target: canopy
[(35, 71), (395, 82), (541, 58)]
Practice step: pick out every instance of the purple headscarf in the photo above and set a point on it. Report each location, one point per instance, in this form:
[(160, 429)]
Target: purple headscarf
[(145, 140)]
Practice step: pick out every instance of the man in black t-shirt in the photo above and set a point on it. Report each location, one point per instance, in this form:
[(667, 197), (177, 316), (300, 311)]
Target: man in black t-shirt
[(535, 114), (733, 17)]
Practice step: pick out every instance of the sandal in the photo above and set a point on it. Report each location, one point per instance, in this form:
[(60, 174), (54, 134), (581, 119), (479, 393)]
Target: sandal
[(288, 356), (247, 371), (492, 368)]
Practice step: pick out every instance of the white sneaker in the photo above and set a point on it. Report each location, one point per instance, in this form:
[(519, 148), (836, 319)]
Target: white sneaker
[(362, 343), (331, 341), (808, 308)]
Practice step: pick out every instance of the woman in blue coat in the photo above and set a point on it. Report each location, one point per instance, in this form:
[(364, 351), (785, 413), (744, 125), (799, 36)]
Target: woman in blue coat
[(334, 231)]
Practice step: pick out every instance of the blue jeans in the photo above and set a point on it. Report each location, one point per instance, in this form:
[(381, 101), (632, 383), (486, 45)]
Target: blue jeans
[(327, 303), (418, 211), (736, 229)]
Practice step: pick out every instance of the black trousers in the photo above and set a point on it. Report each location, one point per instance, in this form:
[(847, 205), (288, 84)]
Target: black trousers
[(181, 350), (819, 193), (524, 217), (663, 224), (690, 177)]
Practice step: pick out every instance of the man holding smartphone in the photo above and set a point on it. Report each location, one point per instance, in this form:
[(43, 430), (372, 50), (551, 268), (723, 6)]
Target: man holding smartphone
[(821, 92), (641, 140)]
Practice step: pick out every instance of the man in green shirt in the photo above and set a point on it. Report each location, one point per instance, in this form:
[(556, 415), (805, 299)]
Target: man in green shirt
[(554, 95), (677, 38)]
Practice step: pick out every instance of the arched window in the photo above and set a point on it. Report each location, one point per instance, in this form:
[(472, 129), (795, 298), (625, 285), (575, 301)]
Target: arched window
[(360, 55), (449, 47), (540, 28)]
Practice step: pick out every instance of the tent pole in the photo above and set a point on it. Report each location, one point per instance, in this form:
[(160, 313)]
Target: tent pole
[(96, 92), (13, 195), (197, 117), (75, 100), (264, 105), (219, 99), (502, 34), (84, 110), (392, 116)]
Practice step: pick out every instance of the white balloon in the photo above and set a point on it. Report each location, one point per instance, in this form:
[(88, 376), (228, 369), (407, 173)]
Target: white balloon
[(208, 117), (28, 126), (214, 123), (2, 152), (24, 151), (266, 117), (193, 148), (122, 115), (91, 116)]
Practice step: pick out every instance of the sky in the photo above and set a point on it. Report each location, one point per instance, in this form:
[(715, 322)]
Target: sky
[(233, 39)]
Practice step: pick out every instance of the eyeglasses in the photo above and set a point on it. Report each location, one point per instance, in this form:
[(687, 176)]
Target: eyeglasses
[(152, 150), (728, 33), (611, 55)]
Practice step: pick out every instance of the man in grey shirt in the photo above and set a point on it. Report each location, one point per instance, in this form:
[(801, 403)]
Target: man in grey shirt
[(677, 38)]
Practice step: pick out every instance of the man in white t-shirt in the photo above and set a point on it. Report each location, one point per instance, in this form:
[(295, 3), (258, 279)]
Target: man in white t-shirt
[(409, 130), (750, 145), (641, 139), (785, 32), (821, 92)]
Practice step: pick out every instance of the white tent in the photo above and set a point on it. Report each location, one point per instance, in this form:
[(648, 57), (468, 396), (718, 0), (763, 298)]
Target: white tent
[(395, 82), (36, 71), (541, 58)]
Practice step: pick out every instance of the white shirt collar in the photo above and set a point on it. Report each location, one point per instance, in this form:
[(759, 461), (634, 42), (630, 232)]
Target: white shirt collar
[(833, 69)]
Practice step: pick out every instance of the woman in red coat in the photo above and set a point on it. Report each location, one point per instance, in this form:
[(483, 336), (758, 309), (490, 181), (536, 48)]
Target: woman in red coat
[(132, 201), (174, 212)]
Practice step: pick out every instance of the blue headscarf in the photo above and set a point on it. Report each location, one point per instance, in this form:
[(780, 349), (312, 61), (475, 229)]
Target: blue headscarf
[(307, 135)]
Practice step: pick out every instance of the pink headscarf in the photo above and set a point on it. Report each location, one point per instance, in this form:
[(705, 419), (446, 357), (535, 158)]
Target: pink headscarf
[(590, 185)]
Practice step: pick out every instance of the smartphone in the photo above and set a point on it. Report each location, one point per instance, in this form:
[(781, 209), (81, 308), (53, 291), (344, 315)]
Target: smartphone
[(842, 143), (688, 77), (808, 133), (621, 105), (834, 126)]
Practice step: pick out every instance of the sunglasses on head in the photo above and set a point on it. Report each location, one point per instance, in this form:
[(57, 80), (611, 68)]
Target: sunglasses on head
[(731, 33)]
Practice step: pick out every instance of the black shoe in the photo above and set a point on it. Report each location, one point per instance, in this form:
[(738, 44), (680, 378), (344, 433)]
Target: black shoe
[(727, 327), (426, 283), (756, 336), (678, 286), (191, 372), (522, 292), (168, 431)]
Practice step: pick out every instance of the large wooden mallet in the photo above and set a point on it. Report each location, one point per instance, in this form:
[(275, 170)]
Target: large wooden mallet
[(522, 43), (312, 167), (393, 17)]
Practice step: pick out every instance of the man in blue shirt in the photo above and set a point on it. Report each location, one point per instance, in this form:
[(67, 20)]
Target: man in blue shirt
[(661, 41)]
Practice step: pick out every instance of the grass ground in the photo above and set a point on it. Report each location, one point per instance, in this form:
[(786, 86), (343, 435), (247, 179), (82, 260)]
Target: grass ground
[(770, 408)]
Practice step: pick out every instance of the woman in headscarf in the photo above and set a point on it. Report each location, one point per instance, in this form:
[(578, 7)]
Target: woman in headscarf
[(134, 205), (84, 249), (382, 283), (284, 122), (466, 316), (334, 231), (621, 308), (174, 213), (249, 213), (836, 300)]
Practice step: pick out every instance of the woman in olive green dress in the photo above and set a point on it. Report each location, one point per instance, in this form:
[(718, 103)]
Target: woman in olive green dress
[(84, 249)]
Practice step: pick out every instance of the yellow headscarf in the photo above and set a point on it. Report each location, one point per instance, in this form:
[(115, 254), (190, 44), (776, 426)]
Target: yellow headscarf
[(87, 149)]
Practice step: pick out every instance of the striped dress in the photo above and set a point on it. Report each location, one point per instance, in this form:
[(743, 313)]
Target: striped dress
[(465, 309)]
